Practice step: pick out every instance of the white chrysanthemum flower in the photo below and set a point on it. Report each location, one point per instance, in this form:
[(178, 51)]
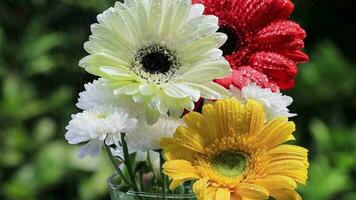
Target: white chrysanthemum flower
[(163, 53), (96, 94), (96, 125), (275, 103), (147, 137), (100, 93)]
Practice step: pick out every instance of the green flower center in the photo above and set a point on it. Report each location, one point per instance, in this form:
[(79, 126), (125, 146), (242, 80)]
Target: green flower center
[(230, 163), (233, 42)]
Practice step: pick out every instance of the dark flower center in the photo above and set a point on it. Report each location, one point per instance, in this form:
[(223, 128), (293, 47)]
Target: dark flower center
[(233, 40), (155, 63), (156, 59), (230, 163)]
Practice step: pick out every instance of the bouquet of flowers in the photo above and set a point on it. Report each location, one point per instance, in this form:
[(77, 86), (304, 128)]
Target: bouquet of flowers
[(188, 104)]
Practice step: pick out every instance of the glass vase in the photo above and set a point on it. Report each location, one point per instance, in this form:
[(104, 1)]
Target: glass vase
[(117, 193)]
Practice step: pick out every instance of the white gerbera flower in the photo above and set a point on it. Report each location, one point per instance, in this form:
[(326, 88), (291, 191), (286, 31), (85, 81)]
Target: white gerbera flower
[(147, 137), (96, 125), (163, 53), (275, 103)]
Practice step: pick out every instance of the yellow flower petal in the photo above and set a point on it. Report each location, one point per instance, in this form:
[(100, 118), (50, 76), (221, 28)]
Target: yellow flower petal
[(210, 130), (175, 183), (284, 152), (286, 195), (280, 187), (173, 150), (210, 193), (297, 170), (253, 118), (252, 192), (200, 188), (180, 171), (204, 191), (277, 182), (194, 121), (190, 139), (227, 116), (276, 132), (222, 194)]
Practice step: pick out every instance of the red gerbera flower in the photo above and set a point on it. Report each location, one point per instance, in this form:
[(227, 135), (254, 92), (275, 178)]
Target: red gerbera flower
[(263, 45)]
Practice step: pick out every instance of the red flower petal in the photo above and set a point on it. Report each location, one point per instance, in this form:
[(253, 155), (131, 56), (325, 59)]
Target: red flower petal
[(286, 84), (246, 75), (296, 56), (236, 59), (225, 82), (278, 68), (283, 35), (253, 14), (248, 14)]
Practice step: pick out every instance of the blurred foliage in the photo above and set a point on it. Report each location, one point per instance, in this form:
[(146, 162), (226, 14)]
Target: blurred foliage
[(41, 44)]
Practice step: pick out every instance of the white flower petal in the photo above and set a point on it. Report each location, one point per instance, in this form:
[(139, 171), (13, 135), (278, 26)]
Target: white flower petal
[(146, 89), (155, 17), (197, 28), (195, 51), (175, 92), (103, 37), (211, 90), (180, 15), (166, 22), (175, 109), (196, 11), (130, 125), (117, 73), (147, 137), (275, 104), (204, 72), (151, 115), (92, 149), (192, 93)]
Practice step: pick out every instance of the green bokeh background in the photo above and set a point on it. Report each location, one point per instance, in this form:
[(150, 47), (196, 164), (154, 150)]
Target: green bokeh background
[(40, 46)]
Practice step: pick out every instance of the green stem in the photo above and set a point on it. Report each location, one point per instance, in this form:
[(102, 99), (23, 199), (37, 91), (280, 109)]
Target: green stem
[(151, 166), (163, 176), (116, 165), (128, 162)]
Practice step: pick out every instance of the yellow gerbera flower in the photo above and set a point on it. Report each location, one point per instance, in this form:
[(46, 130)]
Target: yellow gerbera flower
[(233, 153)]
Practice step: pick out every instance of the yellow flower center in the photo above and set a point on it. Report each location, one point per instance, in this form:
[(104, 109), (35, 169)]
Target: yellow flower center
[(230, 163)]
